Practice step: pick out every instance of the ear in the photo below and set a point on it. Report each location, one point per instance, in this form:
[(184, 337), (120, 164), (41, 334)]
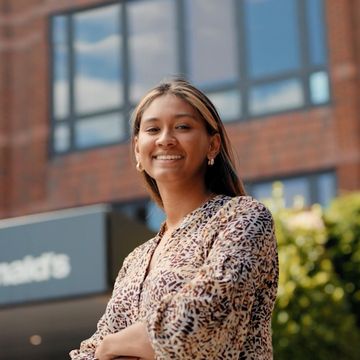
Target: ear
[(136, 148), (215, 144)]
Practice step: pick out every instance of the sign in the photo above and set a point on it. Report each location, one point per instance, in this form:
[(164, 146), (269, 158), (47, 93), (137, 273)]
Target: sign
[(35, 269), (53, 255)]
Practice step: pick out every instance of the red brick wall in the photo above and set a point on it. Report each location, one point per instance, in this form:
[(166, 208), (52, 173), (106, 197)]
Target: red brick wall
[(285, 144), (343, 29), (4, 106), (291, 143)]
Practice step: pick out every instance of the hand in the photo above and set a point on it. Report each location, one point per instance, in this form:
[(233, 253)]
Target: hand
[(129, 343), (103, 351)]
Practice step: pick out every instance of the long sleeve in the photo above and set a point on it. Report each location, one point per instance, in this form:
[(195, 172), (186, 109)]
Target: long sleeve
[(88, 347), (209, 317)]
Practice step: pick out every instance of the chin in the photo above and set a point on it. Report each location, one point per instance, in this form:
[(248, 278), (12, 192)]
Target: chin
[(167, 176)]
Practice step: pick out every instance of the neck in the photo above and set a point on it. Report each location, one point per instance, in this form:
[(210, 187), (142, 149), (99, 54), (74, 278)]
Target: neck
[(180, 201)]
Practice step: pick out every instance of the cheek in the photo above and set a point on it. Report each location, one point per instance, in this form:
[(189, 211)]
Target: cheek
[(198, 145), (144, 145)]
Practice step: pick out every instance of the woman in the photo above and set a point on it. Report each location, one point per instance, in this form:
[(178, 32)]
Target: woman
[(204, 287)]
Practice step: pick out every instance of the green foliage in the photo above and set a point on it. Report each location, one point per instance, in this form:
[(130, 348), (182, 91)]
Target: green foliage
[(312, 317), (343, 223)]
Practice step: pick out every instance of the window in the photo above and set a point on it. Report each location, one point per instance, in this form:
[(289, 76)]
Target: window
[(308, 189), (88, 95), (96, 46), (207, 26), (273, 45), (286, 55), (252, 58), (152, 44), (143, 211)]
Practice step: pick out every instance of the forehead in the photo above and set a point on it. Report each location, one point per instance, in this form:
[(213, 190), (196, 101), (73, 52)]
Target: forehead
[(169, 105)]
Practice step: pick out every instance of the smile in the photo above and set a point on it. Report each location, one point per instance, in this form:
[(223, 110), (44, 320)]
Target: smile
[(168, 157)]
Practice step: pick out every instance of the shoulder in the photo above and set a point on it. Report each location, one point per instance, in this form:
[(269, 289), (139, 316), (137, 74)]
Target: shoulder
[(244, 205), (245, 210), (242, 224)]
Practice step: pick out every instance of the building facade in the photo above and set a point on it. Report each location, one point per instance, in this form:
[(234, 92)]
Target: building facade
[(284, 75)]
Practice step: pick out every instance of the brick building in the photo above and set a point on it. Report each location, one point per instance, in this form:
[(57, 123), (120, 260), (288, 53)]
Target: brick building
[(283, 73)]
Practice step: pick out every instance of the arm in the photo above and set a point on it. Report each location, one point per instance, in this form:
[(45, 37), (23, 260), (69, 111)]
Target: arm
[(211, 313), (88, 346), (130, 342)]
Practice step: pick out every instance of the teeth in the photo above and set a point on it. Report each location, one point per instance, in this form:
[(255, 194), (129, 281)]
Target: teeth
[(168, 157)]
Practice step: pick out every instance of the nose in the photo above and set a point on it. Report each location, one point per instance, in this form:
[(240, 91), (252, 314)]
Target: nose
[(166, 138)]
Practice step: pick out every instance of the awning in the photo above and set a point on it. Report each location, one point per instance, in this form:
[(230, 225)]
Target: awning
[(56, 272)]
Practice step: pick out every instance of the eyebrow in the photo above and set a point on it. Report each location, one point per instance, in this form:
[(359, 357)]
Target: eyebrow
[(176, 116)]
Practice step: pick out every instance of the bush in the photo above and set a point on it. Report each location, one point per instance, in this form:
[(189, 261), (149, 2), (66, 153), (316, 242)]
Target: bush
[(343, 223), (312, 317)]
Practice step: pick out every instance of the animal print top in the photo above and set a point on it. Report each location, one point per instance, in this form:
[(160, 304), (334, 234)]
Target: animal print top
[(211, 296)]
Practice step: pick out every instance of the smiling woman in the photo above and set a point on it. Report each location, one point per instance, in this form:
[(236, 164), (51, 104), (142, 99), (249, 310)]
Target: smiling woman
[(219, 178), (205, 285)]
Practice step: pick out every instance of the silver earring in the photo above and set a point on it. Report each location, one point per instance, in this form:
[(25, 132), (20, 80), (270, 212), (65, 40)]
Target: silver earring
[(139, 168), (211, 162)]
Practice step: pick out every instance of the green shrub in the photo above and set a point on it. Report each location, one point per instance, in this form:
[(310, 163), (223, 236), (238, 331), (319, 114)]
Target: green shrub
[(312, 317), (342, 221)]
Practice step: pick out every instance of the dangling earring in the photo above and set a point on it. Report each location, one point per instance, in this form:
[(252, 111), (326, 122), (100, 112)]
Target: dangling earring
[(211, 161), (139, 168)]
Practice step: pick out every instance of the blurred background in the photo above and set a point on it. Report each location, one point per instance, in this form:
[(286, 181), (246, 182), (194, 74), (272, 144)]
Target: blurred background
[(284, 75)]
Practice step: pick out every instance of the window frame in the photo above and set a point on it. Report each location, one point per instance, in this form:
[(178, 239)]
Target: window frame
[(243, 84), (312, 182), (303, 74), (72, 118)]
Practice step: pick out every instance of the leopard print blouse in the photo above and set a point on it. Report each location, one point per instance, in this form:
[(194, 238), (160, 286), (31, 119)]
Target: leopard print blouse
[(213, 293)]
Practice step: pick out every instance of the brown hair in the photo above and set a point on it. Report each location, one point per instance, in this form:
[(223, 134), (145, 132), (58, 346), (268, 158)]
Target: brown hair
[(221, 178)]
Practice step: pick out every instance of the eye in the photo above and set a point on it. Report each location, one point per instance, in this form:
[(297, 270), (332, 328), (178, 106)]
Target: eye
[(152, 129), (183, 127)]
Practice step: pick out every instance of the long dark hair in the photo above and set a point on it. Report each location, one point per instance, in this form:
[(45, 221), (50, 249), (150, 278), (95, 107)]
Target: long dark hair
[(221, 178)]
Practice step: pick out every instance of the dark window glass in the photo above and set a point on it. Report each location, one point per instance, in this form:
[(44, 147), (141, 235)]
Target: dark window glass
[(212, 44), (227, 103), (272, 37), (61, 69), (304, 190), (152, 44), (293, 189), (326, 188), (315, 19), (61, 138), (278, 96), (155, 216), (99, 130), (319, 87), (97, 59), (144, 211)]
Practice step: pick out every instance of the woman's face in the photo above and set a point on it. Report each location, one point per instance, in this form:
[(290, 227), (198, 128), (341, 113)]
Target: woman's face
[(172, 144)]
